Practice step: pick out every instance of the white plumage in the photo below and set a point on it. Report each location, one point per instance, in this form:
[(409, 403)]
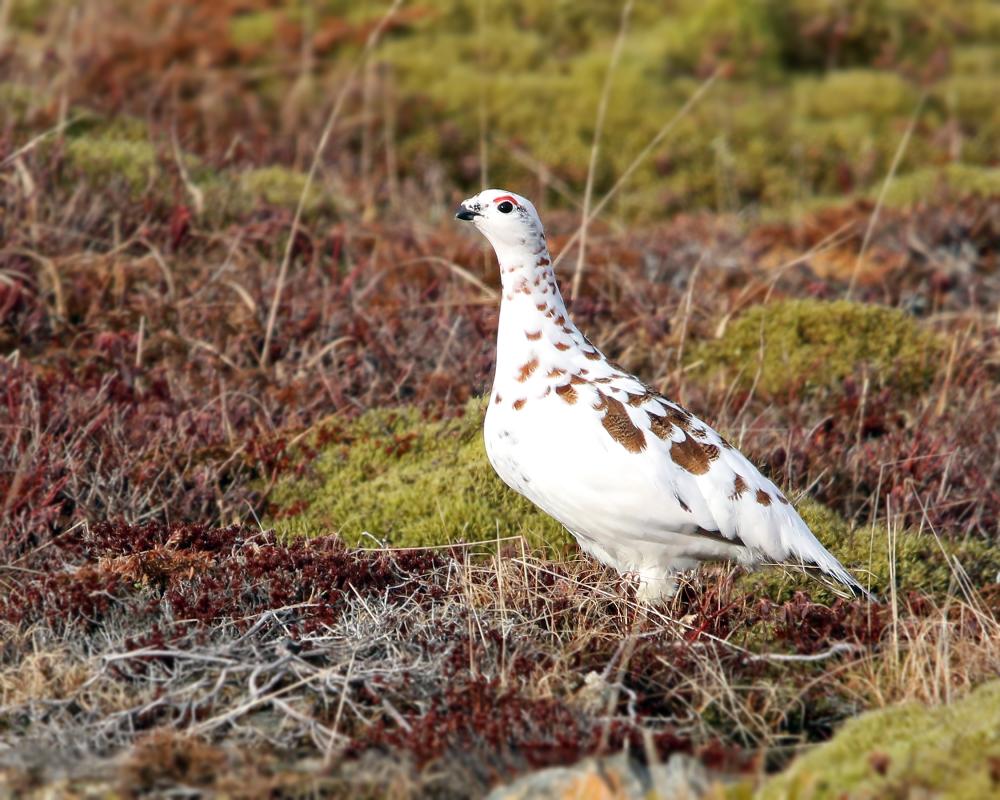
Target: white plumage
[(642, 484)]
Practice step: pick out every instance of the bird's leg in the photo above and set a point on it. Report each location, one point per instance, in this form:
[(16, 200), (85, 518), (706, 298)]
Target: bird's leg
[(655, 587)]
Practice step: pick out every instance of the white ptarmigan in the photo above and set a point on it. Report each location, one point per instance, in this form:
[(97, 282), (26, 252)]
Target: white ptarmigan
[(642, 484)]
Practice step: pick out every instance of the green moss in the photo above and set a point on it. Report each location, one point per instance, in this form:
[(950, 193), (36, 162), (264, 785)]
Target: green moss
[(819, 34), (230, 194), (839, 94), (920, 563), (976, 59), (410, 482), (803, 115), (929, 185), (278, 186), (31, 13), (104, 150), (740, 31), (805, 346), (971, 98), (86, 122), (252, 29), (102, 158), (16, 99), (829, 148), (945, 752)]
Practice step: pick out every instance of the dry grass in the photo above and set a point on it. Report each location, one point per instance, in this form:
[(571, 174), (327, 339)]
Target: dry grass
[(441, 658)]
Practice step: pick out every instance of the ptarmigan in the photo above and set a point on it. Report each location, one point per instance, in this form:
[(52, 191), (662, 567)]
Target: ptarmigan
[(642, 484)]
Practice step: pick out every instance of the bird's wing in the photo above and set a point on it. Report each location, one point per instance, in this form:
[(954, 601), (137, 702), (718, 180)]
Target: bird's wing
[(724, 491)]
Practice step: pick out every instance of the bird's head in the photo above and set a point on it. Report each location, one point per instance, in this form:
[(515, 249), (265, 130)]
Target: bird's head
[(506, 219)]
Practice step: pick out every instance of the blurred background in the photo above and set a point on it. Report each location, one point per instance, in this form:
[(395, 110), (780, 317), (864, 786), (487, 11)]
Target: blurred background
[(813, 99)]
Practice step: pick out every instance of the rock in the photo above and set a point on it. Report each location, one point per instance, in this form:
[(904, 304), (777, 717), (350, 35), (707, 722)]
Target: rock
[(612, 778)]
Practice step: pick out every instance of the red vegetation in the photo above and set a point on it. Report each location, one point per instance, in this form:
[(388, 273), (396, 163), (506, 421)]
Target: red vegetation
[(205, 575)]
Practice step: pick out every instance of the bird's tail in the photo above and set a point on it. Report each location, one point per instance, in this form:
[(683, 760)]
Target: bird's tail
[(825, 562)]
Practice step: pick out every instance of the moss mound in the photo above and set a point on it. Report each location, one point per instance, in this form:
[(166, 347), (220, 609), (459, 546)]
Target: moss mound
[(122, 150), (931, 184), (230, 194), (804, 346), (907, 751), (859, 91), (106, 158), (278, 186), (408, 482)]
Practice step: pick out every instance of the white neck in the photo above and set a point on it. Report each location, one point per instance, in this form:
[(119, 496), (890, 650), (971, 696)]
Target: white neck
[(533, 316)]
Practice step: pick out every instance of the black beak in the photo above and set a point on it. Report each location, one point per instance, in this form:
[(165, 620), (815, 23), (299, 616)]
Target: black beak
[(466, 213)]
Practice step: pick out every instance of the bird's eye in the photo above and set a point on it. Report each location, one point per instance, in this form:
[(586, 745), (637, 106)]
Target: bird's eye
[(505, 207)]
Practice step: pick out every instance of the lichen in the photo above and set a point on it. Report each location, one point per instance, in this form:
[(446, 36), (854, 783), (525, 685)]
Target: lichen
[(949, 751), (806, 346)]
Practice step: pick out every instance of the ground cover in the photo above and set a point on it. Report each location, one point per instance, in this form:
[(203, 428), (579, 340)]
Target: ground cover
[(208, 510)]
